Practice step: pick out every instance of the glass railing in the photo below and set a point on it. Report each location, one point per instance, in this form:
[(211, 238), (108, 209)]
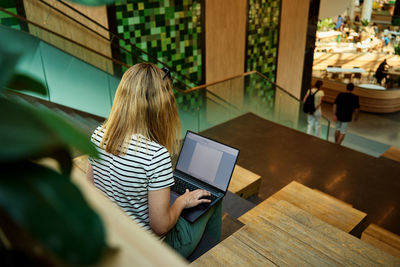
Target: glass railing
[(252, 92), (105, 40), (76, 83)]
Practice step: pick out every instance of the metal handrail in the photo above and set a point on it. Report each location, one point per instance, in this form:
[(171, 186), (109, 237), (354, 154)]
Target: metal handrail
[(63, 37), (114, 35)]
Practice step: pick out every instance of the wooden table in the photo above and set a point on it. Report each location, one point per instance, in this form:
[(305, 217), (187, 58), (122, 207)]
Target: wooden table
[(289, 236)]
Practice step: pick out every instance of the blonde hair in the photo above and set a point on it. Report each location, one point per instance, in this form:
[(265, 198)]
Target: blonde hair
[(145, 105)]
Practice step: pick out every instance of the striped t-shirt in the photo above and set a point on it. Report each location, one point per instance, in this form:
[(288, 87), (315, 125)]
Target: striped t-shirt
[(126, 179)]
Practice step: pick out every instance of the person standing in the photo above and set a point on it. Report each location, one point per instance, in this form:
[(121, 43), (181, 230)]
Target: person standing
[(345, 105), (379, 71), (314, 119), (339, 23)]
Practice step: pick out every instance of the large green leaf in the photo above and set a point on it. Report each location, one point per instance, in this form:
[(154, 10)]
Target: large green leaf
[(93, 2), (22, 82), (53, 211), (27, 132), (8, 60)]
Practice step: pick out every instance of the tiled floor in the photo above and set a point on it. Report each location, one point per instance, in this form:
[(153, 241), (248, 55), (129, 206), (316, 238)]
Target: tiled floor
[(281, 155)]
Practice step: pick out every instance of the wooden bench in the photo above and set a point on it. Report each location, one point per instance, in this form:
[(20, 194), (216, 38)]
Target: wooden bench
[(289, 236), (392, 153), (244, 182), (325, 207), (382, 239)]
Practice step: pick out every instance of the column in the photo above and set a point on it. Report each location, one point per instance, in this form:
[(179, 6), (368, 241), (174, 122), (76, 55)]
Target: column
[(366, 10)]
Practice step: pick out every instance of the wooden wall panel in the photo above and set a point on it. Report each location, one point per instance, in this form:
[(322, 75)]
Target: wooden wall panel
[(51, 19), (225, 38), (292, 41), (225, 45)]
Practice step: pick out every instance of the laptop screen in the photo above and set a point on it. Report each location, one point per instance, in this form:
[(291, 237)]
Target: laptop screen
[(207, 160)]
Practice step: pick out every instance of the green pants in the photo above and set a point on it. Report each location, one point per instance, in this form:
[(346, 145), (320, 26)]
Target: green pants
[(185, 236)]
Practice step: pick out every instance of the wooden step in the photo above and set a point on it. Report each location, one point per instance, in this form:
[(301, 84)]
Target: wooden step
[(333, 198), (382, 239), (392, 153), (289, 236), (244, 182), (322, 206)]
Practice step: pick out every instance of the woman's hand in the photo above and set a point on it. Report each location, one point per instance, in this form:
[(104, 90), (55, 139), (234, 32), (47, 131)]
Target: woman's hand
[(194, 198)]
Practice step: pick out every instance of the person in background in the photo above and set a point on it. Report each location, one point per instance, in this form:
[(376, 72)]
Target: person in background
[(339, 23), (379, 74), (345, 105), (134, 169), (314, 120)]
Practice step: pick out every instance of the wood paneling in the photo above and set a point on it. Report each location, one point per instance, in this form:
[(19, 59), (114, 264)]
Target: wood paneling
[(53, 20), (292, 42), (225, 41), (225, 38), (379, 101)]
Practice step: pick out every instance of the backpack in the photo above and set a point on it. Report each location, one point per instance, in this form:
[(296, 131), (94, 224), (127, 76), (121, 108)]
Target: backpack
[(309, 106)]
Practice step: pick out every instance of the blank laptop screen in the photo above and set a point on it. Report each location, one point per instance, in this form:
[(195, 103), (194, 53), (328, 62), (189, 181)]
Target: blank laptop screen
[(207, 160)]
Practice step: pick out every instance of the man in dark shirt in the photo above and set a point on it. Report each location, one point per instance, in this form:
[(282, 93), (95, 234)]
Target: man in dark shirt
[(343, 108), (379, 71)]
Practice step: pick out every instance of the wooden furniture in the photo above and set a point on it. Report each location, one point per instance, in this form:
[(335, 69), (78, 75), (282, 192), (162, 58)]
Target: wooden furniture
[(392, 153), (322, 206), (379, 101), (244, 182), (342, 70), (131, 245), (382, 239), (289, 236), (371, 86)]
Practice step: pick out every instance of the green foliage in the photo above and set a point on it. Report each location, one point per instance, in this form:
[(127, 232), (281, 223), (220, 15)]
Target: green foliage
[(35, 199), (325, 25), (365, 22), (52, 210), (397, 49)]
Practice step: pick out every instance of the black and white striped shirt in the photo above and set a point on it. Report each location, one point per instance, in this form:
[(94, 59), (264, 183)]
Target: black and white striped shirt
[(126, 179)]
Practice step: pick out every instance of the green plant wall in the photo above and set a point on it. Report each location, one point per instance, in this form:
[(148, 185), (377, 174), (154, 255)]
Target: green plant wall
[(262, 36), (7, 20), (168, 30)]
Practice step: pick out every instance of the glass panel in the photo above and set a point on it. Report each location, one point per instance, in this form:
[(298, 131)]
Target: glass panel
[(254, 93)]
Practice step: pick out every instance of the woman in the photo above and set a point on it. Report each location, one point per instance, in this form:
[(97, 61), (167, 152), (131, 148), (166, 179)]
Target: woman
[(134, 169), (314, 120)]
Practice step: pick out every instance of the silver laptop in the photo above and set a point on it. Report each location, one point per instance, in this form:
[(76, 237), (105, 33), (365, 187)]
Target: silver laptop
[(206, 164)]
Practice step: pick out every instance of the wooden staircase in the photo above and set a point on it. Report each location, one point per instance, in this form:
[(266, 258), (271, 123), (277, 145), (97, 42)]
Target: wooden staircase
[(297, 226), (323, 206), (382, 239)]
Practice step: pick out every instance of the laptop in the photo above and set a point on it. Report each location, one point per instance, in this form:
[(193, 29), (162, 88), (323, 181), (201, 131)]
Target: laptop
[(203, 164)]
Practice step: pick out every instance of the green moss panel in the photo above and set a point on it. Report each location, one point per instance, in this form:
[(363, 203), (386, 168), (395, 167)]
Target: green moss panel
[(8, 20), (262, 36), (168, 30)]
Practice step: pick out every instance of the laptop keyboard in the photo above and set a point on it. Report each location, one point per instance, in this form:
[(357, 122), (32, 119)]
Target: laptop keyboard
[(180, 187)]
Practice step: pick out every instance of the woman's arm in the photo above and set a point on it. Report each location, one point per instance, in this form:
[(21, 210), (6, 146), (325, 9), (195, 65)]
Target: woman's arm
[(319, 102), (89, 173), (162, 216), (334, 112)]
